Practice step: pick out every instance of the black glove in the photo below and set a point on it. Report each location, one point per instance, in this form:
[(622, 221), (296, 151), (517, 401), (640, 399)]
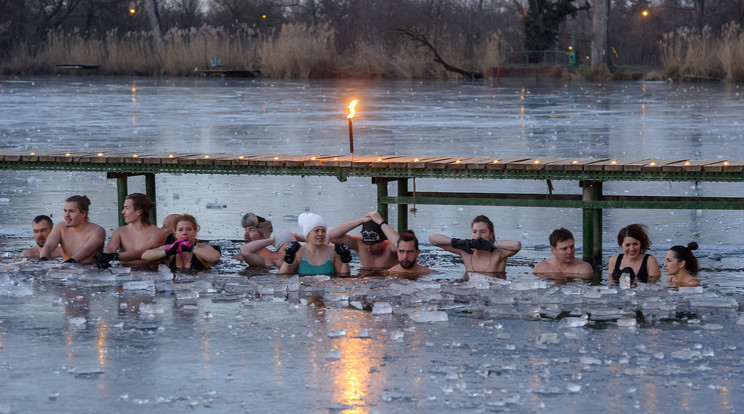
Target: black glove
[(461, 244), (187, 247), (291, 251), (103, 259), (43, 259), (481, 244), (343, 252), (70, 260)]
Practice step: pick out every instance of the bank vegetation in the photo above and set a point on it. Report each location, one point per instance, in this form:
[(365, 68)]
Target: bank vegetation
[(354, 38)]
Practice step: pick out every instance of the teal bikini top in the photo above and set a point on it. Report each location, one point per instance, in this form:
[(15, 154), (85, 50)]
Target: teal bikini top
[(306, 269)]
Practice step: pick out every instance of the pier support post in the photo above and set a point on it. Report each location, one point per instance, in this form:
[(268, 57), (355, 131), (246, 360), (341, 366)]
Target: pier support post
[(382, 191), (150, 192), (402, 208), (592, 221), (121, 195)]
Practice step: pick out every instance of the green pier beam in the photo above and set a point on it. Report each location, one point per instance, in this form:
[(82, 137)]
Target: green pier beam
[(121, 195), (382, 193), (592, 224), (402, 207), (151, 194)]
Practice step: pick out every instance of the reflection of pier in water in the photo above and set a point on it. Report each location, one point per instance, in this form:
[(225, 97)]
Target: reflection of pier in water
[(590, 173)]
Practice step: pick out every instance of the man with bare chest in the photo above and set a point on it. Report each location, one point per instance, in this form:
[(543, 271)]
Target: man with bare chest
[(376, 247), (80, 239), (482, 253), (128, 242)]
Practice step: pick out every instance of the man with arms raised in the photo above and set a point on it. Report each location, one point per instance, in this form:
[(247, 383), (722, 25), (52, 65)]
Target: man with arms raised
[(128, 242), (80, 239), (42, 226), (376, 246), (563, 263), (482, 253), (408, 252)]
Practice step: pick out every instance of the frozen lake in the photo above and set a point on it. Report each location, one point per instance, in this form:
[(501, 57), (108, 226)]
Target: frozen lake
[(237, 341)]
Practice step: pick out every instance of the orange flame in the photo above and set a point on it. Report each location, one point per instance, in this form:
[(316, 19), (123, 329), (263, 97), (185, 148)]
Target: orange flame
[(351, 108)]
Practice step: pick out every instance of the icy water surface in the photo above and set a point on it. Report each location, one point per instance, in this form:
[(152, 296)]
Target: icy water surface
[(235, 340), (120, 340)]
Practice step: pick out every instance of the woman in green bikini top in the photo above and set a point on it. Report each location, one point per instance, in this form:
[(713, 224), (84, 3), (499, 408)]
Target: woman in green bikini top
[(316, 257)]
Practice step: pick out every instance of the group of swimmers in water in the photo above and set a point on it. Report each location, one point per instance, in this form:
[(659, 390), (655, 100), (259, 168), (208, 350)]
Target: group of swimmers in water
[(317, 250)]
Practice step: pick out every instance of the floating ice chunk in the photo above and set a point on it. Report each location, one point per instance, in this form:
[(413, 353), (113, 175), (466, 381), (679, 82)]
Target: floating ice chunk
[(572, 322), (713, 302), (713, 326), (610, 314), (148, 285), (548, 338), (151, 308), (573, 387), (357, 304), (431, 316), (686, 354), (528, 285), (627, 322), (333, 356), (690, 290), (397, 335), (503, 336), (121, 270), (315, 279), (337, 333), (624, 281), (740, 321), (336, 296), (77, 321), (15, 291), (293, 284), (163, 269), (363, 333), (587, 360), (381, 308), (478, 281)]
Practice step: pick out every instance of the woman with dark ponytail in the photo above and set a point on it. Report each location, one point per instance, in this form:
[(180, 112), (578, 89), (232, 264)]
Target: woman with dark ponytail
[(682, 265)]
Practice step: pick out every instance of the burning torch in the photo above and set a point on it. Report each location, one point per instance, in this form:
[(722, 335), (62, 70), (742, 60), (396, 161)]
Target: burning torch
[(351, 127)]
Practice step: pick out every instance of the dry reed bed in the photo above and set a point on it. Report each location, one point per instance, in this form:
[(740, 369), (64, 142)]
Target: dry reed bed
[(687, 53), (296, 51)]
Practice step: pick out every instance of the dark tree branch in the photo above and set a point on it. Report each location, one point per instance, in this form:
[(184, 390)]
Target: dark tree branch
[(424, 42)]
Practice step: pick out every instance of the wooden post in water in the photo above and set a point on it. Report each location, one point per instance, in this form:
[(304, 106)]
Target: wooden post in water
[(592, 224), (150, 192), (402, 208)]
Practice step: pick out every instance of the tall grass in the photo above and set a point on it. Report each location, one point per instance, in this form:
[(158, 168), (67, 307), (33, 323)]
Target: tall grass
[(689, 53), (299, 52), (294, 51)]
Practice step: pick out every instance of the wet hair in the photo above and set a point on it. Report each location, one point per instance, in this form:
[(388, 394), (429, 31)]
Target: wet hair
[(636, 231), (185, 217), (560, 235), (141, 202), (408, 236), (38, 219), (685, 253), (483, 219), (82, 201)]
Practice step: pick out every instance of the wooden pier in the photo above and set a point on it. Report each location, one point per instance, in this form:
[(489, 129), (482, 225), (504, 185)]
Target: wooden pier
[(590, 174)]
